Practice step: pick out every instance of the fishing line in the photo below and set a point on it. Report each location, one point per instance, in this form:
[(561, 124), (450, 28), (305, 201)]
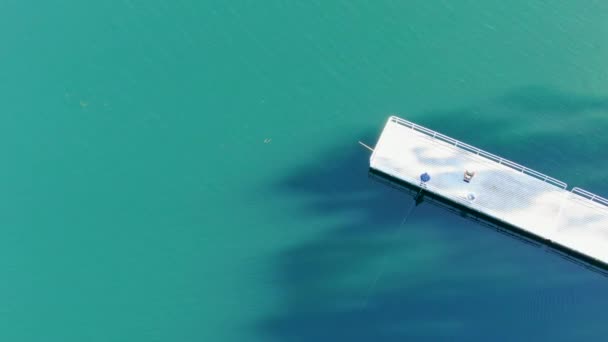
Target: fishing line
[(397, 234)]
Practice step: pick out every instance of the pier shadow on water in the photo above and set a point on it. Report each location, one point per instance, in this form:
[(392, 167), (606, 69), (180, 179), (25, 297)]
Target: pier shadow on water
[(373, 277)]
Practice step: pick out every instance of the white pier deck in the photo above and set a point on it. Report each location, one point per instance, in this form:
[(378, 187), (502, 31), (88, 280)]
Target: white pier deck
[(506, 191)]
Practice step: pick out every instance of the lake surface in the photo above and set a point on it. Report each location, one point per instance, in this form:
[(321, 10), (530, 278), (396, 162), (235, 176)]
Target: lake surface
[(189, 170)]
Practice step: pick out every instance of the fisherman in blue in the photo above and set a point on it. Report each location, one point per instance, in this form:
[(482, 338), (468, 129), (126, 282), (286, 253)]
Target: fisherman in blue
[(425, 177)]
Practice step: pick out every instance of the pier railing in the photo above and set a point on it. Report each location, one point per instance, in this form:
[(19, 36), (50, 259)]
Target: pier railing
[(590, 196), (480, 152)]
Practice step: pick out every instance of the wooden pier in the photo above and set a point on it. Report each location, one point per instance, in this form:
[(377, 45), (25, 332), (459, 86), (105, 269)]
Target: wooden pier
[(541, 206)]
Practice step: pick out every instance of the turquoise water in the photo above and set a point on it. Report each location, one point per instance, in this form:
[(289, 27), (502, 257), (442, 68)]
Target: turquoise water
[(188, 170)]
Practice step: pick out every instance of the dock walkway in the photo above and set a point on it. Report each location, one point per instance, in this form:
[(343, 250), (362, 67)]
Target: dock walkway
[(509, 192)]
